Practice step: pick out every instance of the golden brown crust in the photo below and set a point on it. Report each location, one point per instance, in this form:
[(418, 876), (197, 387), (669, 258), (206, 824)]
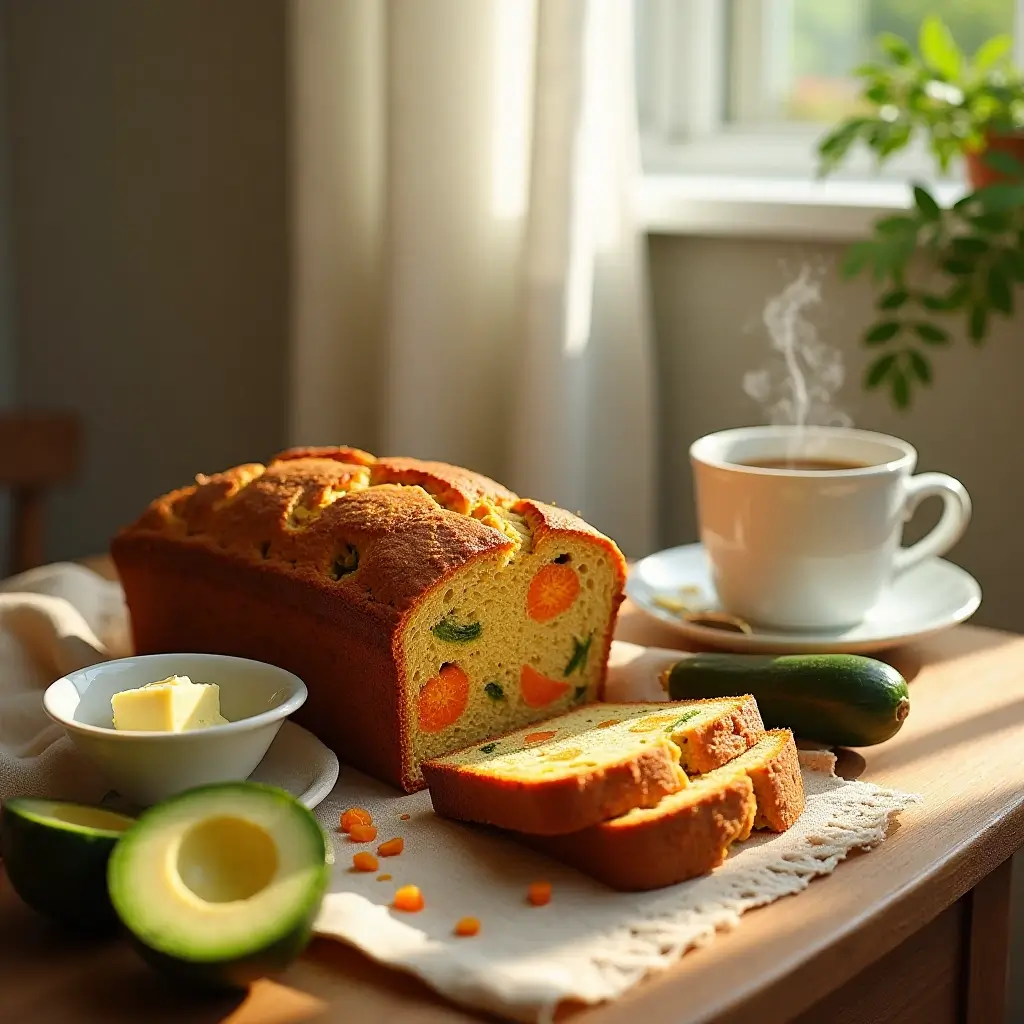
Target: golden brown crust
[(779, 786), (339, 453), (327, 548), (685, 836), (559, 805), (717, 742)]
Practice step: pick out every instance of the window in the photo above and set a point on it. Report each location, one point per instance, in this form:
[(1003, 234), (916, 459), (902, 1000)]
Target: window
[(745, 87)]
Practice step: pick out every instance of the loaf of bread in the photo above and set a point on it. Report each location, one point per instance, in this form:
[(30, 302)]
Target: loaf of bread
[(590, 764), (425, 607), (683, 836)]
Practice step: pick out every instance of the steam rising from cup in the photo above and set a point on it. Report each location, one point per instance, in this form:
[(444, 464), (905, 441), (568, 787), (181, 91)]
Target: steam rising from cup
[(796, 387)]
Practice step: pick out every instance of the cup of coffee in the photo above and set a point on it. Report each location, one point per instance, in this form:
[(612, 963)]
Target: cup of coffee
[(803, 525)]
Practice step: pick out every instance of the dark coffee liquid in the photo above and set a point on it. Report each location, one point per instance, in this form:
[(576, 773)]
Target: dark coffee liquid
[(816, 464)]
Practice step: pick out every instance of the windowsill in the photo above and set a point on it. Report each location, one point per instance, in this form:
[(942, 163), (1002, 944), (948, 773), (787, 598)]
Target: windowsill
[(750, 207)]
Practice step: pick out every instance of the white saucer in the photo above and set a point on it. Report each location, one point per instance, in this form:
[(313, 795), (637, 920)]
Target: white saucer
[(299, 763), (932, 596)]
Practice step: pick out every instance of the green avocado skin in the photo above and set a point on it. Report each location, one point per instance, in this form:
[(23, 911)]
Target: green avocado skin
[(840, 699), (233, 975), (61, 875)]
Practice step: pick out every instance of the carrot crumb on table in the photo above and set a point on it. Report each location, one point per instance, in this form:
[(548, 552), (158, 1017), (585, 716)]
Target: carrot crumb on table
[(408, 898), (384, 878), (365, 862), (467, 926), (392, 848), (362, 833), (354, 816), (539, 893), (404, 817)]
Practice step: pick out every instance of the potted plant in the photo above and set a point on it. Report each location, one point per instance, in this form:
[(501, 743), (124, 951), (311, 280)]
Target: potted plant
[(933, 264)]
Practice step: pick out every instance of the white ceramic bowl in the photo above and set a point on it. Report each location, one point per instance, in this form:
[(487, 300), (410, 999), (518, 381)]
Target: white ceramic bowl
[(146, 767)]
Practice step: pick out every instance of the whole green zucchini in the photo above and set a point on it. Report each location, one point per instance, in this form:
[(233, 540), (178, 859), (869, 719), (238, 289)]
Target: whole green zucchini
[(840, 699)]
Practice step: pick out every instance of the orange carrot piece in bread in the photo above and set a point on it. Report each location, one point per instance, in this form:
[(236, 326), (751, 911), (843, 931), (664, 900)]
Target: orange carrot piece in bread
[(538, 690), (552, 591), (540, 737), (443, 699)]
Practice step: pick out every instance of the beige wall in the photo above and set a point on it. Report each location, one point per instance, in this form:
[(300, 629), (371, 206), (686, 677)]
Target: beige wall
[(148, 184)]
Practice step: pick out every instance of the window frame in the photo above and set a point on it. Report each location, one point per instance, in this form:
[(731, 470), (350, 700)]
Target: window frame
[(685, 50)]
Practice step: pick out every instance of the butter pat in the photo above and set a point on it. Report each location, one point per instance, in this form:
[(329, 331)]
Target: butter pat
[(174, 704)]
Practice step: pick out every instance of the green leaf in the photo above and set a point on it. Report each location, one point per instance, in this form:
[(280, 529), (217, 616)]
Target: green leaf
[(1000, 295), (895, 48), (879, 370), (867, 70), (900, 387), (451, 632), (893, 299), (488, 748), (999, 197), (897, 224), (930, 334), (580, 650), (991, 52), (882, 332), (857, 256), (939, 49), (1002, 162), (968, 246), (1012, 261), (938, 303), (919, 366), (682, 720), (926, 203), (977, 324), (959, 268), (993, 223), (495, 691)]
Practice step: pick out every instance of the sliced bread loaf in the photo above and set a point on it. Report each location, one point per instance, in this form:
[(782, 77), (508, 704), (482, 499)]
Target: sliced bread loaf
[(561, 775), (685, 835), (591, 764), (773, 767)]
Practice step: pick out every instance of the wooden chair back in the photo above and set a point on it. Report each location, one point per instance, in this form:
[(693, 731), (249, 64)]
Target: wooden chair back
[(37, 451)]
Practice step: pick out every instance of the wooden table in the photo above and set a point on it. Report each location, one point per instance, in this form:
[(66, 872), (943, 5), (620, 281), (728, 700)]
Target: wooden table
[(915, 932)]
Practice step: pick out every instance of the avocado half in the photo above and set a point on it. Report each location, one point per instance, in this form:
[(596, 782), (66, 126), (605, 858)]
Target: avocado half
[(221, 884), (56, 855)]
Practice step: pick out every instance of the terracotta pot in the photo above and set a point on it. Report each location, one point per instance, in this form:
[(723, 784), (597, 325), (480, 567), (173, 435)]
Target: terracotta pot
[(979, 174)]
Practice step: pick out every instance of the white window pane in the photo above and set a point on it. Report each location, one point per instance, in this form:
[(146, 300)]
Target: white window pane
[(790, 58)]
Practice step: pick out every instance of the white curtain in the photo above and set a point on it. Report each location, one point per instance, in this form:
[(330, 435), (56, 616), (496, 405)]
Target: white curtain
[(468, 284)]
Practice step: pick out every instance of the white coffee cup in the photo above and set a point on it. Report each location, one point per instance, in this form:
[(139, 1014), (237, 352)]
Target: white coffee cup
[(812, 549)]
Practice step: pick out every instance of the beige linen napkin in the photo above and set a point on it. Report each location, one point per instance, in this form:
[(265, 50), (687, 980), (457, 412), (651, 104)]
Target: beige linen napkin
[(53, 620), (589, 944)]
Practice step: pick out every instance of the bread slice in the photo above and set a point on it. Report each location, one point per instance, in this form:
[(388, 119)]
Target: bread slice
[(685, 835), (773, 767), (709, 733), (562, 775)]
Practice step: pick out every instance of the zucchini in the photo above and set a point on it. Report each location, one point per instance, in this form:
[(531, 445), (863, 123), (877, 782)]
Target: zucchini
[(840, 699)]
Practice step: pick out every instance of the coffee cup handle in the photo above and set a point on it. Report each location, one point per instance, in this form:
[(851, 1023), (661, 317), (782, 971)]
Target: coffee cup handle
[(956, 514)]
